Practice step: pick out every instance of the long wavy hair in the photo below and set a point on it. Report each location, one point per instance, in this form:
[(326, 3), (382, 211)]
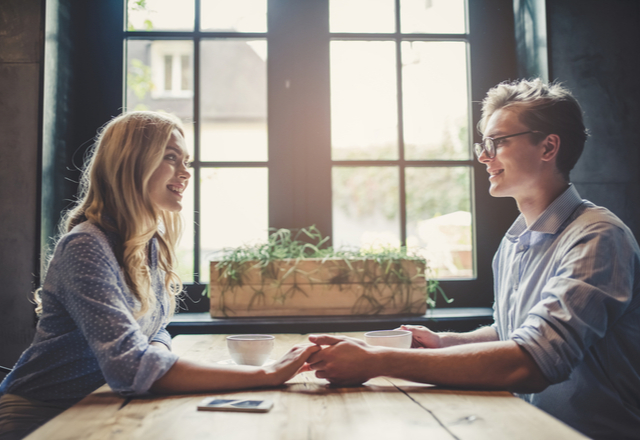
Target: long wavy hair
[(114, 195)]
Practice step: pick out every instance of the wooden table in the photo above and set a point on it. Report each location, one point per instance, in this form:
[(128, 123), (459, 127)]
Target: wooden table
[(306, 408)]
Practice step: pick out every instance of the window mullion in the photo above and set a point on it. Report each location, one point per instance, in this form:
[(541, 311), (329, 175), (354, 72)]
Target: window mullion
[(196, 147), (401, 171), (298, 100)]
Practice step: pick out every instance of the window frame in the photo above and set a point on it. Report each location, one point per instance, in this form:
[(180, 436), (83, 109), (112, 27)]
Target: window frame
[(299, 194), (402, 163)]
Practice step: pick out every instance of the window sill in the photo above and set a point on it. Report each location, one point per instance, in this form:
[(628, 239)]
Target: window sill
[(458, 319)]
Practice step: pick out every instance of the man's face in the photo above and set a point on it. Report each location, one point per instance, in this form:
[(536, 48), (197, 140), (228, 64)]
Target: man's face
[(516, 169)]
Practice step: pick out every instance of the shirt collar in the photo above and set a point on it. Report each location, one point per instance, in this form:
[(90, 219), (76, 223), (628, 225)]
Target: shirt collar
[(552, 218)]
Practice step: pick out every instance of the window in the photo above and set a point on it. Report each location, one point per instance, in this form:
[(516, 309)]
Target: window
[(226, 119), (311, 112), (401, 163)]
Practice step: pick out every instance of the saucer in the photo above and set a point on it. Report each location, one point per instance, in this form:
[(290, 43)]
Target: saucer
[(231, 362)]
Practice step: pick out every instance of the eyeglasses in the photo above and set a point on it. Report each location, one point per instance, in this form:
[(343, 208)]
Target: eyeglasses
[(488, 144)]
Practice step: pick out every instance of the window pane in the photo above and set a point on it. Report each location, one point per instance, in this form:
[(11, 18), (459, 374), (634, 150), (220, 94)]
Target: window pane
[(366, 207), (435, 100), (234, 210), (184, 251), (168, 71), (233, 102), (439, 218), (147, 87), (364, 118), (185, 72), (361, 16), (432, 16), (236, 15), (160, 15)]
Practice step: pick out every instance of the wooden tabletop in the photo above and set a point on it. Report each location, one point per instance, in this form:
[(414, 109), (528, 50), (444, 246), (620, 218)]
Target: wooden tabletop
[(306, 408)]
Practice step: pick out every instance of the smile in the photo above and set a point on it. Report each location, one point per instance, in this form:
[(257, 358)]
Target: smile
[(176, 189)]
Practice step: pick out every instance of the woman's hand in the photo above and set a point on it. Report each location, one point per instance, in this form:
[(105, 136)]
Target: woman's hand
[(423, 337), (292, 363)]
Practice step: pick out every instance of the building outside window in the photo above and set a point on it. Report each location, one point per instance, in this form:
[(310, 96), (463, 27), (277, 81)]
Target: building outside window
[(171, 69)]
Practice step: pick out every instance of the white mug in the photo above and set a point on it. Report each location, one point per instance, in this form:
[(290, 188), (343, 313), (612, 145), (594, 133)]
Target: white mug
[(250, 349), (389, 338)]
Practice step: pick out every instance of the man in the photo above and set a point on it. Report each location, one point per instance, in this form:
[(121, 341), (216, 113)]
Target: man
[(566, 329)]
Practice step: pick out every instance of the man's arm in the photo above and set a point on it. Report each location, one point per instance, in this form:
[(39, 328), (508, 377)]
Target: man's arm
[(485, 365)]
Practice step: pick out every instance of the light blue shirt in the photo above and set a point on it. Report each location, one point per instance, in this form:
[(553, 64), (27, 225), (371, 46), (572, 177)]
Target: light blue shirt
[(87, 333), (567, 290)]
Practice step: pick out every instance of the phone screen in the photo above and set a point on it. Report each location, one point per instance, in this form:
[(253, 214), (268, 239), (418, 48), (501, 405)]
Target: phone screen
[(214, 404)]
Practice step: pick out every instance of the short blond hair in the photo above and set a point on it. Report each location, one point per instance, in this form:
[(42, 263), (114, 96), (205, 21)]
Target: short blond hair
[(547, 108)]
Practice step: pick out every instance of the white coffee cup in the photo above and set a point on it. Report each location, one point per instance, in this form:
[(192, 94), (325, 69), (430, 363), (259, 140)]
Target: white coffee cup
[(250, 349), (389, 338)]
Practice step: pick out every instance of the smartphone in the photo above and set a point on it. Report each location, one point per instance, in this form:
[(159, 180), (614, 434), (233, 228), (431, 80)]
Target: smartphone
[(215, 404)]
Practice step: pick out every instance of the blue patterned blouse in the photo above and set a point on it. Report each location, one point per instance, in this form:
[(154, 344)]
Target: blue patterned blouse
[(87, 334)]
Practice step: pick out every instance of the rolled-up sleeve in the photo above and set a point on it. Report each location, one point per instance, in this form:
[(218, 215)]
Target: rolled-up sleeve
[(591, 288), (163, 337), (154, 364), (100, 305)]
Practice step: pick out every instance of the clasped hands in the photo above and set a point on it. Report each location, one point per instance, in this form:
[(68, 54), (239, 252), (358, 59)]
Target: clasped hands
[(347, 361)]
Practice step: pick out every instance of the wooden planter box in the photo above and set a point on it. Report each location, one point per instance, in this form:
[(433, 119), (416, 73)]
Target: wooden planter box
[(320, 287)]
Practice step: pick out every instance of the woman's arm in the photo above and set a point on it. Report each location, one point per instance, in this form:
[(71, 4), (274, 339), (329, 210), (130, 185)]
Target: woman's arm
[(186, 376)]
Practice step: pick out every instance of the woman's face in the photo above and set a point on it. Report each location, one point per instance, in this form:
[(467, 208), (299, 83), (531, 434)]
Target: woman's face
[(170, 179)]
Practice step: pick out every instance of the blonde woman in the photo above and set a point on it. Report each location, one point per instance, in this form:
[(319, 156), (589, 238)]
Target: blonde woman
[(111, 287)]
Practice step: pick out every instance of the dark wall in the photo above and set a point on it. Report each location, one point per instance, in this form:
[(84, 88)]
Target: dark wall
[(57, 68), (21, 39), (594, 48), (82, 91)]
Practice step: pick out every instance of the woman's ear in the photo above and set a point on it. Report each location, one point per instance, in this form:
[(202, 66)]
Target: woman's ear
[(551, 146)]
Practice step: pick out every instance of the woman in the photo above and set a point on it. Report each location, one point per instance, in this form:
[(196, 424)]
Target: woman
[(110, 287)]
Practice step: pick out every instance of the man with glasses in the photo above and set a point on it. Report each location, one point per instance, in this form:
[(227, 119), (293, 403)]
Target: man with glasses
[(566, 332)]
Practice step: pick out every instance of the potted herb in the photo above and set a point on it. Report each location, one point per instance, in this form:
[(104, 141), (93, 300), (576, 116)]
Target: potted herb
[(290, 276)]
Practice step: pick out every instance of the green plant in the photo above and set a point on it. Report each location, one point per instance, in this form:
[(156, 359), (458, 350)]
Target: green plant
[(374, 270), (139, 5), (139, 81)]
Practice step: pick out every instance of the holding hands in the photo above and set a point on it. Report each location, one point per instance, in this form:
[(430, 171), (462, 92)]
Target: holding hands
[(346, 361), (343, 360), (349, 361), (292, 363)]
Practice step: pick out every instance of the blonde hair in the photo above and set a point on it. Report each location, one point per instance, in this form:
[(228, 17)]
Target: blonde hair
[(114, 195)]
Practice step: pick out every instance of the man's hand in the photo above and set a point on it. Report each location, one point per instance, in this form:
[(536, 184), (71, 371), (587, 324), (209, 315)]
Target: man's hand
[(423, 337), (343, 361)]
